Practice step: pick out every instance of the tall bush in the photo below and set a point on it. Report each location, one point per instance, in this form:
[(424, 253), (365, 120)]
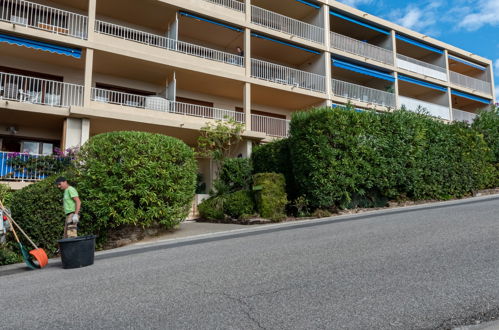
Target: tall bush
[(270, 195), (135, 178), (487, 123), (236, 174)]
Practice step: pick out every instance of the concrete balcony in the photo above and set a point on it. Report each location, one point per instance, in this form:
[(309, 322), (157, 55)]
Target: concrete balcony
[(364, 49), (431, 109), (275, 127), (417, 66), (26, 89), (231, 4), (155, 40), (44, 18), (157, 103), (471, 83), (362, 93), (286, 24), (287, 76)]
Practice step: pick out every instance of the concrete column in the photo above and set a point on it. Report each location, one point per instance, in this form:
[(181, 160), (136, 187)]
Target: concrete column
[(248, 10), (396, 91), (247, 105), (394, 46), (89, 68), (449, 99), (76, 132), (92, 5), (495, 98), (447, 68), (329, 75), (327, 26), (244, 149), (247, 51)]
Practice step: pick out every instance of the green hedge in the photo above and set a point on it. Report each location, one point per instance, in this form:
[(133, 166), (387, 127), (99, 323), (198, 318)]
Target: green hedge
[(37, 208), (487, 123), (212, 208), (135, 178), (339, 156), (239, 203), (270, 195), (236, 174)]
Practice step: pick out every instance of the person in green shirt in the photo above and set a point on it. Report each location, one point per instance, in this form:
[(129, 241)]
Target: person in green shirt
[(71, 203)]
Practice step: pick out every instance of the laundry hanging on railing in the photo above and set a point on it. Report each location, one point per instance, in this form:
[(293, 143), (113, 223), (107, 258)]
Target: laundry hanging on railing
[(29, 43), (363, 70)]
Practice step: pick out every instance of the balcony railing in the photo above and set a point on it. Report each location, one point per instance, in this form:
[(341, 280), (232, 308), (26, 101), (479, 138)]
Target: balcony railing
[(12, 172), (460, 115), (39, 91), (287, 76), (44, 18), (362, 93), (470, 82), (432, 109), (161, 104), (286, 24), (354, 46), (155, 40), (271, 126), (427, 69), (232, 4)]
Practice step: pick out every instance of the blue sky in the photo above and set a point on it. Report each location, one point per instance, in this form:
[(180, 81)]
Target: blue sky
[(472, 25)]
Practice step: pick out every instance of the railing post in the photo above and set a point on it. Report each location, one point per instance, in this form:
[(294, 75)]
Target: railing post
[(89, 64)]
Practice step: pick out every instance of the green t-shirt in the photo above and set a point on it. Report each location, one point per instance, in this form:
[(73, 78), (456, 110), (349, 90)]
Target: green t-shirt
[(68, 201)]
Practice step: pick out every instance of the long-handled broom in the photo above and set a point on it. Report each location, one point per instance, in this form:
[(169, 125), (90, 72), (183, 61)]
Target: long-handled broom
[(38, 253)]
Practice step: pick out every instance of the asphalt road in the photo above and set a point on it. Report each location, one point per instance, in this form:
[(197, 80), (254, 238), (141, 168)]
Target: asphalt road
[(417, 268)]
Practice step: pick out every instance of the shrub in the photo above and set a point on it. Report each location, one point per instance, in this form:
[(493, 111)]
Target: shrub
[(487, 123), (236, 174), (7, 256), (212, 208), (274, 157), (37, 208), (348, 159), (270, 195), (5, 194), (135, 178), (239, 203)]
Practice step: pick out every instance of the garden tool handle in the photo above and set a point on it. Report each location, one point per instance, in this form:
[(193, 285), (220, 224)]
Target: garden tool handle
[(19, 227)]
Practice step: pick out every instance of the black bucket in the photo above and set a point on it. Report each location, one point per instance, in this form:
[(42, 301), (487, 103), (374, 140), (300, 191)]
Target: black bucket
[(77, 252)]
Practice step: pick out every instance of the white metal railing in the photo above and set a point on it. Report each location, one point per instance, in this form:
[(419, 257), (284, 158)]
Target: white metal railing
[(232, 4), (161, 104), (39, 91), (270, 126), (287, 24), (167, 43), (434, 110), (287, 76), (427, 69), (13, 172), (460, 115), (45, 18), (357, 47), (362, 93), (470, 82)]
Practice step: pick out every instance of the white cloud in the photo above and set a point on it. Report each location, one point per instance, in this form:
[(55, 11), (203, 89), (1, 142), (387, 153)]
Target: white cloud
[(486, 12), (422, 18)]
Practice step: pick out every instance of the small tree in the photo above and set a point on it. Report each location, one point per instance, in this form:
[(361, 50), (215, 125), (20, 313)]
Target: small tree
[(218, 139)]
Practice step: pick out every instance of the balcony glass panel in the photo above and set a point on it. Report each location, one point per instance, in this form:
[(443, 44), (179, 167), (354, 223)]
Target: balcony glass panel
[(426, 69), (470, 82)]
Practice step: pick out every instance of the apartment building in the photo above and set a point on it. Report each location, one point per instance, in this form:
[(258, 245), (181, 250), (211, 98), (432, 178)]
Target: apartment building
[(71, 69)]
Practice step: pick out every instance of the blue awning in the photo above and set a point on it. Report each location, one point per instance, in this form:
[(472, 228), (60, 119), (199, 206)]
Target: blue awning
[(419, 44), (422, 83), (309, 4), (363, 70), (284, 43), (74, 52), (356, 21), (471, 97), (183, 13), (467, 63)]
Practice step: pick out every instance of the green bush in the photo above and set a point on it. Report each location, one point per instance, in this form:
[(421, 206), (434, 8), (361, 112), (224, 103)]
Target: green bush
[(275, 157), (349, 159), (212, 208), (5, 194), (487, 123), (8, 256), (239, 203), (135, 178), (236, 174), (37, 208), (270, 195)]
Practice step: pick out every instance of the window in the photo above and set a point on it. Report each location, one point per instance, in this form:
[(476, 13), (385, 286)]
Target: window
[(37, 148)]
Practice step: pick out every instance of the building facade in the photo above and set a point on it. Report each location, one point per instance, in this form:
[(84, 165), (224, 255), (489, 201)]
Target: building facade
[(71, 69)]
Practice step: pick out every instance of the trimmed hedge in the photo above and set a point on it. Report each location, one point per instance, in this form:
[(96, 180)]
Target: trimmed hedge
[(135, 178), (270, 195), (212, 208), (339, 155), (236, 174), (239, 203), (37, 208), (487, 123)]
